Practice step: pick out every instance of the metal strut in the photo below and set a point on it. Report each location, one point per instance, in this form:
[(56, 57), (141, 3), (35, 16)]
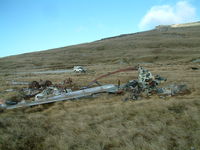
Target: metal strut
[(110, 73)]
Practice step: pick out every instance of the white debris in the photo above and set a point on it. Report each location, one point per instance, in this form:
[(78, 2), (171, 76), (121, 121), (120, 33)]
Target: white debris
[(79, 69), (9, 90), (48, 92), (144, 76)]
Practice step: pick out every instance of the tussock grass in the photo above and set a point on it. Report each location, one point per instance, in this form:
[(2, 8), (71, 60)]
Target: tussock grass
[(106, 122)]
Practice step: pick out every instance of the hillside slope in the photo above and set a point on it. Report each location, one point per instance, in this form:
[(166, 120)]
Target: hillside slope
[(107, 122), (173, 45)]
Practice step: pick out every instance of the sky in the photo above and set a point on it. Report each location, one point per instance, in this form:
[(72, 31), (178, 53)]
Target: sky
[(34, 25)]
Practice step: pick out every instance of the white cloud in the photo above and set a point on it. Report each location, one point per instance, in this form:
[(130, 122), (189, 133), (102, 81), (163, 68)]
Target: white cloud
[(181, 12)]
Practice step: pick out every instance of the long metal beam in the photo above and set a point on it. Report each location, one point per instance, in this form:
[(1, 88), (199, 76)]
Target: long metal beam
[(67, 96)]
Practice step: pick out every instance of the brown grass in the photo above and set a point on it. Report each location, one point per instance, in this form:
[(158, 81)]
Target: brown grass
[(106, 122)]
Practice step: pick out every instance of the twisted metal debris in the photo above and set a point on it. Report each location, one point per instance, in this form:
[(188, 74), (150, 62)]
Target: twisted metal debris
[(145, 85), (64, 96)]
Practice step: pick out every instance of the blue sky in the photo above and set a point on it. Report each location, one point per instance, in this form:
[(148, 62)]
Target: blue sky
[(33, 25)]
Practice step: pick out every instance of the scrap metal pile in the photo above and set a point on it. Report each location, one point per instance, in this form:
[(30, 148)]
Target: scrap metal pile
[(147, 85), (45, 92)]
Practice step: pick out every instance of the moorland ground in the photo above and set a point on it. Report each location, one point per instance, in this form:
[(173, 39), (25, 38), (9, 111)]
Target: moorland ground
[(106, 122)]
